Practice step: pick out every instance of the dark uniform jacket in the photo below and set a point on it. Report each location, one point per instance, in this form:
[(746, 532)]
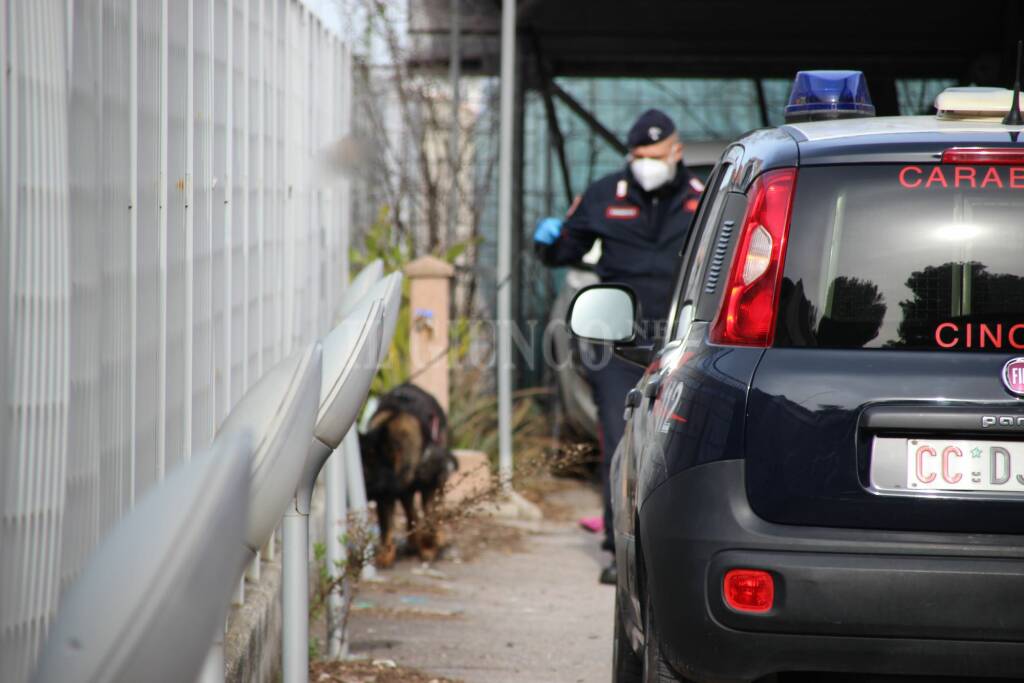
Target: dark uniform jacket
[(641, 233)]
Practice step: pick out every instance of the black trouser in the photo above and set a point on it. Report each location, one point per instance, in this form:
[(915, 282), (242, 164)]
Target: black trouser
[(610, 381)]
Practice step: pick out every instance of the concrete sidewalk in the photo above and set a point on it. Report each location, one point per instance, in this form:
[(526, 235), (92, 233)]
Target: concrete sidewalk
[(527, 609)]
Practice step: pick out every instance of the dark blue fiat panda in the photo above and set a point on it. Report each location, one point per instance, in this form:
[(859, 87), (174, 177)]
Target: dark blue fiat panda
[(822, 475)]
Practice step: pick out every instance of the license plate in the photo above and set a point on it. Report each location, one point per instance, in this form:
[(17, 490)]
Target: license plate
[(948, 465)]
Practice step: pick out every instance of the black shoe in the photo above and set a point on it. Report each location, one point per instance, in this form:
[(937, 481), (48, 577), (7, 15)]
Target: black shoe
[(609, 575)]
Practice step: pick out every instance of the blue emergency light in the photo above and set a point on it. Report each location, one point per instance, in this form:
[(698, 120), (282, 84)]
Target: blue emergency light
[(818, 95)]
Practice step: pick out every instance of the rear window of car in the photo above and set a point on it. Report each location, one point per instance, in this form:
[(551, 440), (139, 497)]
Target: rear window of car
[(905, 256)]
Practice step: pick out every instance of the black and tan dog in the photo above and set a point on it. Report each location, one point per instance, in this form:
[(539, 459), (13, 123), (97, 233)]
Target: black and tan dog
[(405, 452)]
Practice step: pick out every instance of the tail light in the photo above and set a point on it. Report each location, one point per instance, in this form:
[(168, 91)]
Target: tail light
[(749, 590), (992, 156), (747, 313)]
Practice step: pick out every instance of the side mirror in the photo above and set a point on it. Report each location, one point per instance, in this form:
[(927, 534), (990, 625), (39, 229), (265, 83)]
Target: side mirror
[(604, 314)]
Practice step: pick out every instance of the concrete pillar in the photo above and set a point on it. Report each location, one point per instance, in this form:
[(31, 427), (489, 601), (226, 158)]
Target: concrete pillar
[(429, 299)]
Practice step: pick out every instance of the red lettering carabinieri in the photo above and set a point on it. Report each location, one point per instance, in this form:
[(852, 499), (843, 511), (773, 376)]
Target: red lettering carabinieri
[(962, 177)]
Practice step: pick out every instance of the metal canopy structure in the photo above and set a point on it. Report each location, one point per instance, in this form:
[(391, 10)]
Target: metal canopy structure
[(530, 43), (968, 41)]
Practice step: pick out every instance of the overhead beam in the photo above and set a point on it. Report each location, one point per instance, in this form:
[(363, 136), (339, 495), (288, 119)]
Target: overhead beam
[(588, 118), (601, 38), (558, 142), (762, 102), (524, 11), (554, 130)]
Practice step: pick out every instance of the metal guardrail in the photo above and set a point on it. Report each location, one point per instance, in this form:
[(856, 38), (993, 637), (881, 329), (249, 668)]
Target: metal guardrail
[(165, 239)]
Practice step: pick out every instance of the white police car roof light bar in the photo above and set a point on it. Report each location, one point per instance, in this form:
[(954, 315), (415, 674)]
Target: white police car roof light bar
[(155, 591), (974, 103), (351, 353), (982, 104), (824, 95)]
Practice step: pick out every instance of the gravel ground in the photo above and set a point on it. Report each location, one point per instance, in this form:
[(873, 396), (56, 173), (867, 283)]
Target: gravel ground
[(524, 607)]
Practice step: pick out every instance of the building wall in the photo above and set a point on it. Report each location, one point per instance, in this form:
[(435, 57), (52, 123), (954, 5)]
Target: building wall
[(167, 235)]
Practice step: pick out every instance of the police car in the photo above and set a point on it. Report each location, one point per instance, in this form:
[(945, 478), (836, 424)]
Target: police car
[(823, 466)]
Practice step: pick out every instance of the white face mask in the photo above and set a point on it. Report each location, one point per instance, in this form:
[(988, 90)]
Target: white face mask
[(652, 173)]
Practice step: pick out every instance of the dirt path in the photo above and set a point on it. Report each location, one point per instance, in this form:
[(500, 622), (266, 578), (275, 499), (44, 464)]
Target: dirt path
[(528, 611)]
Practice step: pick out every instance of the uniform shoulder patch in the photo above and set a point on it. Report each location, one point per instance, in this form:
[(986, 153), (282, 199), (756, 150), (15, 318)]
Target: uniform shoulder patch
[(696, 184)]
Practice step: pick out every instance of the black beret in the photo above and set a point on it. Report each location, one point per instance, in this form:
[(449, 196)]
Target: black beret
[(652, 126)]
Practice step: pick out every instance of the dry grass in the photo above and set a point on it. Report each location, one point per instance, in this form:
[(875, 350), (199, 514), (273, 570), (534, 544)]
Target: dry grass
[(472, 536), (397, 585), (379, 671), (541, 492), (405, 613)]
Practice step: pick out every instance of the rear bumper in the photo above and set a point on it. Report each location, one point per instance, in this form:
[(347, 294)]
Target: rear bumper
[(846, 600)]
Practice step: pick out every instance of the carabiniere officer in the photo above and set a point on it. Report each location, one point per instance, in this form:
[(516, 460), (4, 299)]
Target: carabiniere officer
[(642, 216)]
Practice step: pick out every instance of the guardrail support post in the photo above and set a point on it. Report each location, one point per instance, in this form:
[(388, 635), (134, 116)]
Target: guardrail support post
[(295, 594), (336, 515)]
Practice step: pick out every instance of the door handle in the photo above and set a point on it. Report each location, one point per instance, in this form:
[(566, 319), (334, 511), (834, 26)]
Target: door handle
[(633, 399), (653, 386)]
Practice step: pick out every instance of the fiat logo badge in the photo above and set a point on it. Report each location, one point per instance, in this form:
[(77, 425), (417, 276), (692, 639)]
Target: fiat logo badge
[(1013, 376)]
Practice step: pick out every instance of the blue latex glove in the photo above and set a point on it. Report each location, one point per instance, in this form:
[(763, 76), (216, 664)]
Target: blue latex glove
[(548, 229)]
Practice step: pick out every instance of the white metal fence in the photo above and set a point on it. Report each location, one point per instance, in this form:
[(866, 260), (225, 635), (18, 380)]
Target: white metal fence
[(165, 237)]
